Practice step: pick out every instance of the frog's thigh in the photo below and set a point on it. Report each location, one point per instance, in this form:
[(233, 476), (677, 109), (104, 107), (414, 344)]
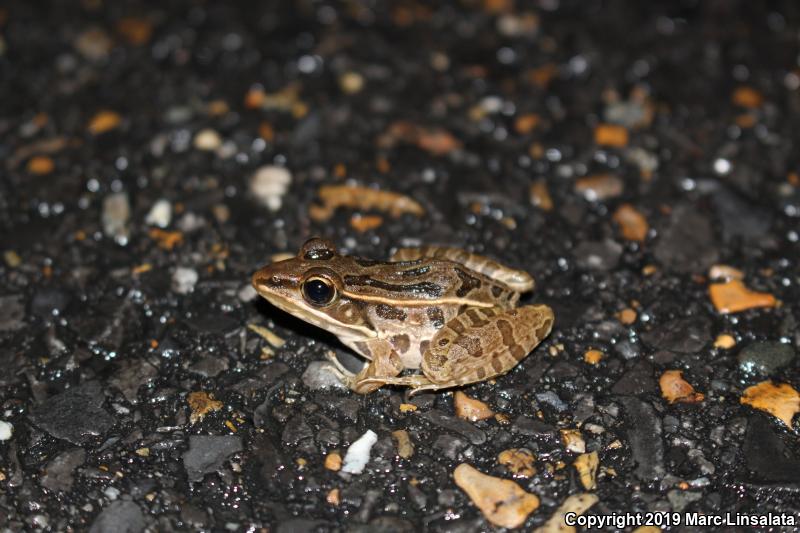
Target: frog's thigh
[(480, 344), (385, 364), (519, 280)]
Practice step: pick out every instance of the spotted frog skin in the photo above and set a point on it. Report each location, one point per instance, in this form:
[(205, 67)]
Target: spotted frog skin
[(443, 312)]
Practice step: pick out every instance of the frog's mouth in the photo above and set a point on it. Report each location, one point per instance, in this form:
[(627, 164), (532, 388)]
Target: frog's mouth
[(317, 317)]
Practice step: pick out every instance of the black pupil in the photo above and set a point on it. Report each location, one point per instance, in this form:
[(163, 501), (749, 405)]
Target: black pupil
[(317, 291)]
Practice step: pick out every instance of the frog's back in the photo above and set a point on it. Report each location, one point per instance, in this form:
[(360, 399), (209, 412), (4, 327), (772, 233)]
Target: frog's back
[(424, 282)]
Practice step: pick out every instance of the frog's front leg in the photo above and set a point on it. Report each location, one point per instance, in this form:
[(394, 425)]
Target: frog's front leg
[(384, 364), (479, 344)]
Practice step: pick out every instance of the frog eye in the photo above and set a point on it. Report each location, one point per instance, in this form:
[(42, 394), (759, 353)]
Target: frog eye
[(318, 291)]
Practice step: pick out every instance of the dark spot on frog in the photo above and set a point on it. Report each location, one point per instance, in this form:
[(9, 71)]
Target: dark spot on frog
[(468, 283), (436, 316), (472, 345), (497, 290), (423, 346), (401, 343), (390, 313)]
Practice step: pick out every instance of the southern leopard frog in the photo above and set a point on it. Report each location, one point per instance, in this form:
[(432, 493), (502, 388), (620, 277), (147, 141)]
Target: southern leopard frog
[(444, 311)]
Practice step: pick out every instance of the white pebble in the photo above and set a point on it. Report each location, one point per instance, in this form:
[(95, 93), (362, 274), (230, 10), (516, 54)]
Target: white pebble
[(269, 184), (116, 214), (160, 214), (184, 280), (357, 455), (6, 429), (247, 293), (207, 139)]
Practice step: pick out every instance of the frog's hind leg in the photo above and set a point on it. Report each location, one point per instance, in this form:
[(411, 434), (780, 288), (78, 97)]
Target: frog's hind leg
[(518, 280), (478, 345)]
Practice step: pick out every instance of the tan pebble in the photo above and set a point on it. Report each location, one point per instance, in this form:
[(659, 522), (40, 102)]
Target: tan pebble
[(525, 124), (724, 341), (136, 31), (611, 135), (632, 223), (573, 441), (577, 503), (733, 297), (599, 187), (207, 139), (747, 97), (518, 461), (267, 335), (201, 403), (40, 165), (94, 44), (333, 461), (104, 121), (502, 419), (586, 464), (540, 195), (364, 223), (143, 452), (676, 389), (778, 399), (333, 497), (593, 357), (351, 82), (470, 408), (627, 316), (502, 502), (12, 258), (408, 407), (405, 448), (724, 272), (647, 529)]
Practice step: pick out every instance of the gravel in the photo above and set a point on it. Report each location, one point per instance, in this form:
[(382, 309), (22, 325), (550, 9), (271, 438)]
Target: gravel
[(154, 155)]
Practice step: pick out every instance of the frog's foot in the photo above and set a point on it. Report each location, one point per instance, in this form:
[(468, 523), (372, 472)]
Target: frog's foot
[(417, 382)]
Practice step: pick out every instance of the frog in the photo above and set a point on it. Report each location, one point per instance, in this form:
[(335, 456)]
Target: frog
[(428, 318)]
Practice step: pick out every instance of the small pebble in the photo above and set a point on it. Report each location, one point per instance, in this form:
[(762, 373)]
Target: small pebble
[(322, 375), (207, 139), (184, 280), (6, 430), (599, 187), (269, 184), (351, 82), (160, 214), (502, 502), (765, 357), (470, 408), (116, 216), (357, 456)]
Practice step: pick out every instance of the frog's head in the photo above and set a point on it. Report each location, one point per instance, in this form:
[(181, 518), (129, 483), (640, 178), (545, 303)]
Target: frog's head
[(310, 287)]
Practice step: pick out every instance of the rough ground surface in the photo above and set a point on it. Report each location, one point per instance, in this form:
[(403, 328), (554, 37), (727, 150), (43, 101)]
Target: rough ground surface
[(107, 322)]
